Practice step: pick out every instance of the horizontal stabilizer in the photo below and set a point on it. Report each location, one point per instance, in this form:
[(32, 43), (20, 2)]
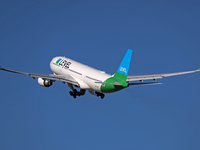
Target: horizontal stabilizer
[(149, 83)]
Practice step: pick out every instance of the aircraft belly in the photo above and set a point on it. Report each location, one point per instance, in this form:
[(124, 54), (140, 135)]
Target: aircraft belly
[(94, 86)]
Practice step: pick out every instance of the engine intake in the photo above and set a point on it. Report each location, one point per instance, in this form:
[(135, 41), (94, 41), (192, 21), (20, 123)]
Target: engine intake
[(44, 83)]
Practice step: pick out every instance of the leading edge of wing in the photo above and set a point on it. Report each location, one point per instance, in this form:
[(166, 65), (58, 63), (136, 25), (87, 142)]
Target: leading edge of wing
[(63, 78), (156, 76)]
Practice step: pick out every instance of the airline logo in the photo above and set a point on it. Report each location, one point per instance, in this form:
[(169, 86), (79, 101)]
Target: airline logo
[(123, 69), (58, 60), (63, 63)]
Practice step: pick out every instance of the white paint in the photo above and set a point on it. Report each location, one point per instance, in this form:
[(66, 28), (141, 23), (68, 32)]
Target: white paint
[(85, 76)]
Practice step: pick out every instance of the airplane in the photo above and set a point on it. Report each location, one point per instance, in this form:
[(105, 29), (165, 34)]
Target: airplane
[(97, 82)]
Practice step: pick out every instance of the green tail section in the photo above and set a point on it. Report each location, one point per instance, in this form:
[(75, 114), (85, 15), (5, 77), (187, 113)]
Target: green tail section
[(119, 77)]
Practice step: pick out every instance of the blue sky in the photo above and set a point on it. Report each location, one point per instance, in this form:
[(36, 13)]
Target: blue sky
[(164, 37)]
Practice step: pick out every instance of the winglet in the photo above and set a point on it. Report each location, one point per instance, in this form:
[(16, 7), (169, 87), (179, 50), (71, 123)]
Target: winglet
[(197, 69)]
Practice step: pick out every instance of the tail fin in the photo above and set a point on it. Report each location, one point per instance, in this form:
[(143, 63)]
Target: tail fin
[(122, 71)]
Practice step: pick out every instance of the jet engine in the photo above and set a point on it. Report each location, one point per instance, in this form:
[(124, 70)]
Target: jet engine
[(44, 82)]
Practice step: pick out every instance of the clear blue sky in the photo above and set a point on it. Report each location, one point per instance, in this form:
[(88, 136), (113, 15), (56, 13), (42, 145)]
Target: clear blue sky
[(164, 37)]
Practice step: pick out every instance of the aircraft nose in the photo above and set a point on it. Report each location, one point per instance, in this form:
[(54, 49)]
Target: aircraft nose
[(55, 59)]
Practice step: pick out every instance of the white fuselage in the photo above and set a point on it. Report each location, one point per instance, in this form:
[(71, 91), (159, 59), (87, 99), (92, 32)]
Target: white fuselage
[(86, 76)]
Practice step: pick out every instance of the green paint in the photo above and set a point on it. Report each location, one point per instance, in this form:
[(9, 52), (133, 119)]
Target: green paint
[(120, 77), (198, 69), (118, 81), (109, 88), (58, 60)]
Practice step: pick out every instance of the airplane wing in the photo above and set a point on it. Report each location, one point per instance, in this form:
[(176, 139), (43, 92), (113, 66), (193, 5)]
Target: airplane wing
[(156, 76), (63, 78), (118, 85)]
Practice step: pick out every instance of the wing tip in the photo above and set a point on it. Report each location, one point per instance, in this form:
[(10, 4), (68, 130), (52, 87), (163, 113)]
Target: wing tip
[(197, 69)]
